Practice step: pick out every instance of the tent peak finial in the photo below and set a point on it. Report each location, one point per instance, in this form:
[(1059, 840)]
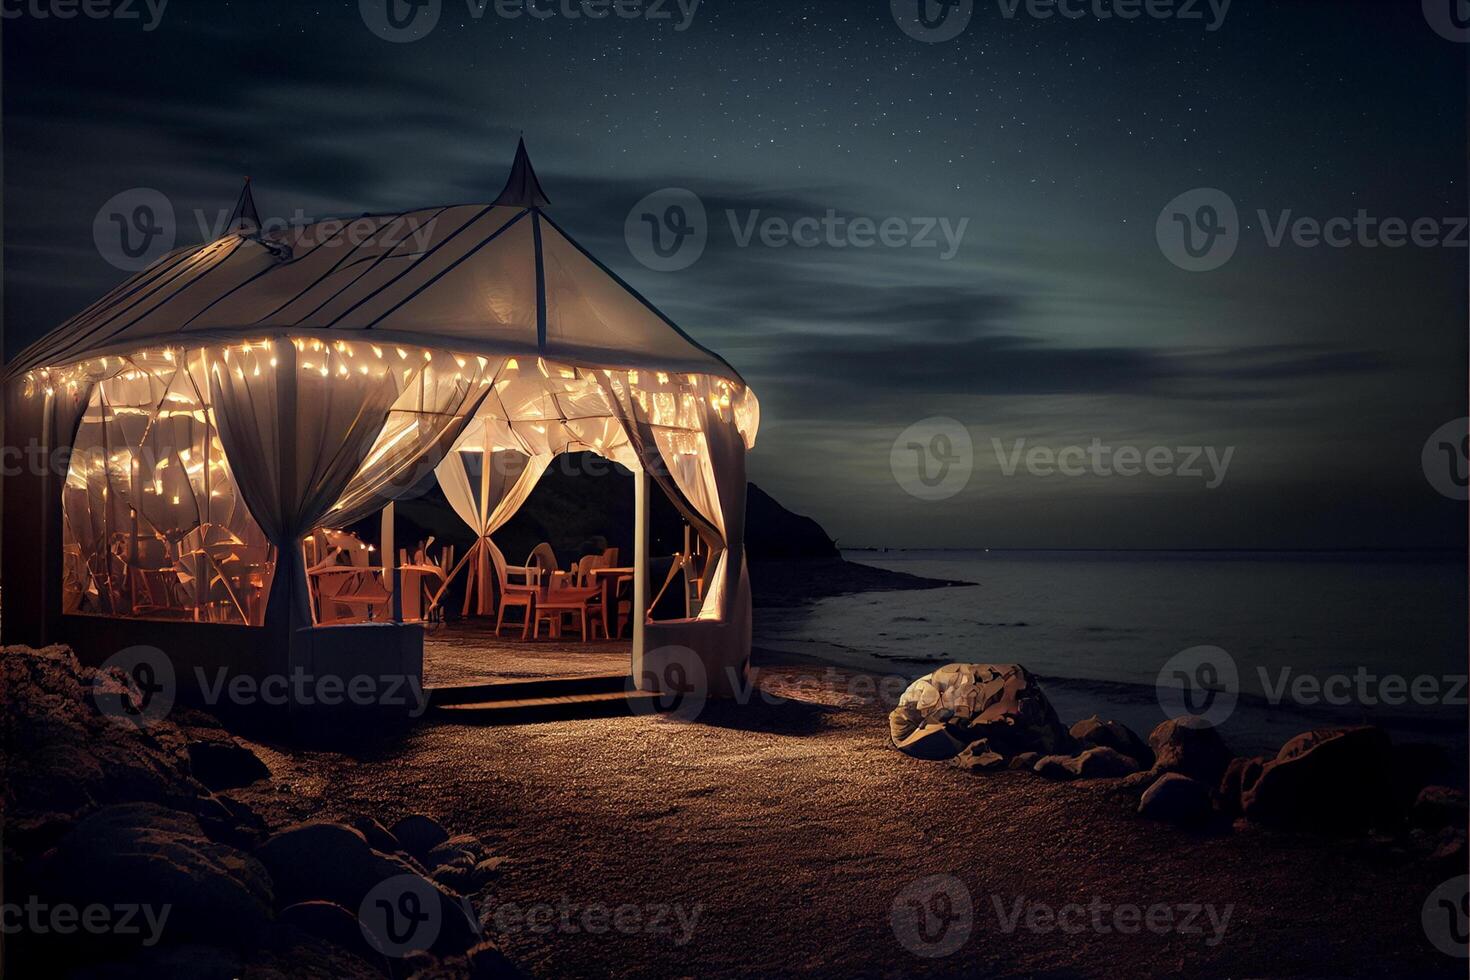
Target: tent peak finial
[(245, 219), (522, 189)]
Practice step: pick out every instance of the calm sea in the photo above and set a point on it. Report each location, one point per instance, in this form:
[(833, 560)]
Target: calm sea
[(1315, 638)]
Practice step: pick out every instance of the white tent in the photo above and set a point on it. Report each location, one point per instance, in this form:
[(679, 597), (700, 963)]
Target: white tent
[(235, 395)]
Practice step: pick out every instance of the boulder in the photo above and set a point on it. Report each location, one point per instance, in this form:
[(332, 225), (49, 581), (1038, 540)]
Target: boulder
[(145, 854), (1190, 746), (419, 834), (332, 922), (1104, 763), (978, 757), (1095, 732), (1330, 779), (933, 742), (327, 862), (1056, 767), (1136, 784), (64, 756), (1025, 761), (1439, 806), (332, 862), (1240, 775), (225, 764), (1177, 799), (378, 836), (1001, 703)]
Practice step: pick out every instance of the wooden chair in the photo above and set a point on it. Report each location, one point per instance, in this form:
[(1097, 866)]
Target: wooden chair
[(553, 605)]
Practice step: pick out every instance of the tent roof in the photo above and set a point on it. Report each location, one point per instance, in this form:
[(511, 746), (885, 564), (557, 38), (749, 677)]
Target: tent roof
[(491, 278)]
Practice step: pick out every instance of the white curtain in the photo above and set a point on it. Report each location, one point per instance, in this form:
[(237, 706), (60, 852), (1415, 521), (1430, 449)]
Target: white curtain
[(486, 484), (297, 419), (429, 416)]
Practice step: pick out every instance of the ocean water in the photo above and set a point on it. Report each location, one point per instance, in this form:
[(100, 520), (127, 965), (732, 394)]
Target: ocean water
[(1337, 629)]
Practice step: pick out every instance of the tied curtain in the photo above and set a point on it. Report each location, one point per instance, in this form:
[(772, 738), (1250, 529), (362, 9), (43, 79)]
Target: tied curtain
[(486, 485), (687, 439), (297, 419)]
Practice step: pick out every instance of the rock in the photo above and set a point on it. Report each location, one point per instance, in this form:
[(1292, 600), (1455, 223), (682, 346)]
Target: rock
[(1449, 848), (1095, 731), (1056, 767), (1136, 784), (1240, 775), (225, 764), (326, 861), (464, 850), (1177, 799), (1439, 806), (332, 862), (378, 836), (1417, 765), (419, 834), (933, 742), (64, 756), (1192, 747), (1026, 761), (1000, 703), (145, 854), (1104, 763), (1331, 779), (978, 757), (332, 922)]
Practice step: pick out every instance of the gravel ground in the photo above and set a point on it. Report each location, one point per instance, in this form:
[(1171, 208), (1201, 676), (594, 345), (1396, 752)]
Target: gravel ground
[(775, 839)]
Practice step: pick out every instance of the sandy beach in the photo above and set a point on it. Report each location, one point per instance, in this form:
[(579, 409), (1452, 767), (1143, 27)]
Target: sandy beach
[(773, 838)]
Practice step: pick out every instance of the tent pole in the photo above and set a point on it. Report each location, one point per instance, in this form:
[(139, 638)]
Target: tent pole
[(640, 569)]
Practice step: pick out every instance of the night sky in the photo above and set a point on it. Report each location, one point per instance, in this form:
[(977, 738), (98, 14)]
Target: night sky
[(1059, 319)]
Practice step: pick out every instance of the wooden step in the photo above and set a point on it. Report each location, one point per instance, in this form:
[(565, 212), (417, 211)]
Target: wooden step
[(519, 690), (556, 707)]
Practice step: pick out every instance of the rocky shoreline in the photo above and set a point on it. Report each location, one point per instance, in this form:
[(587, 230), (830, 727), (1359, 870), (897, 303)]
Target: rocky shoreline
[(990, 717), (129, 851)]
